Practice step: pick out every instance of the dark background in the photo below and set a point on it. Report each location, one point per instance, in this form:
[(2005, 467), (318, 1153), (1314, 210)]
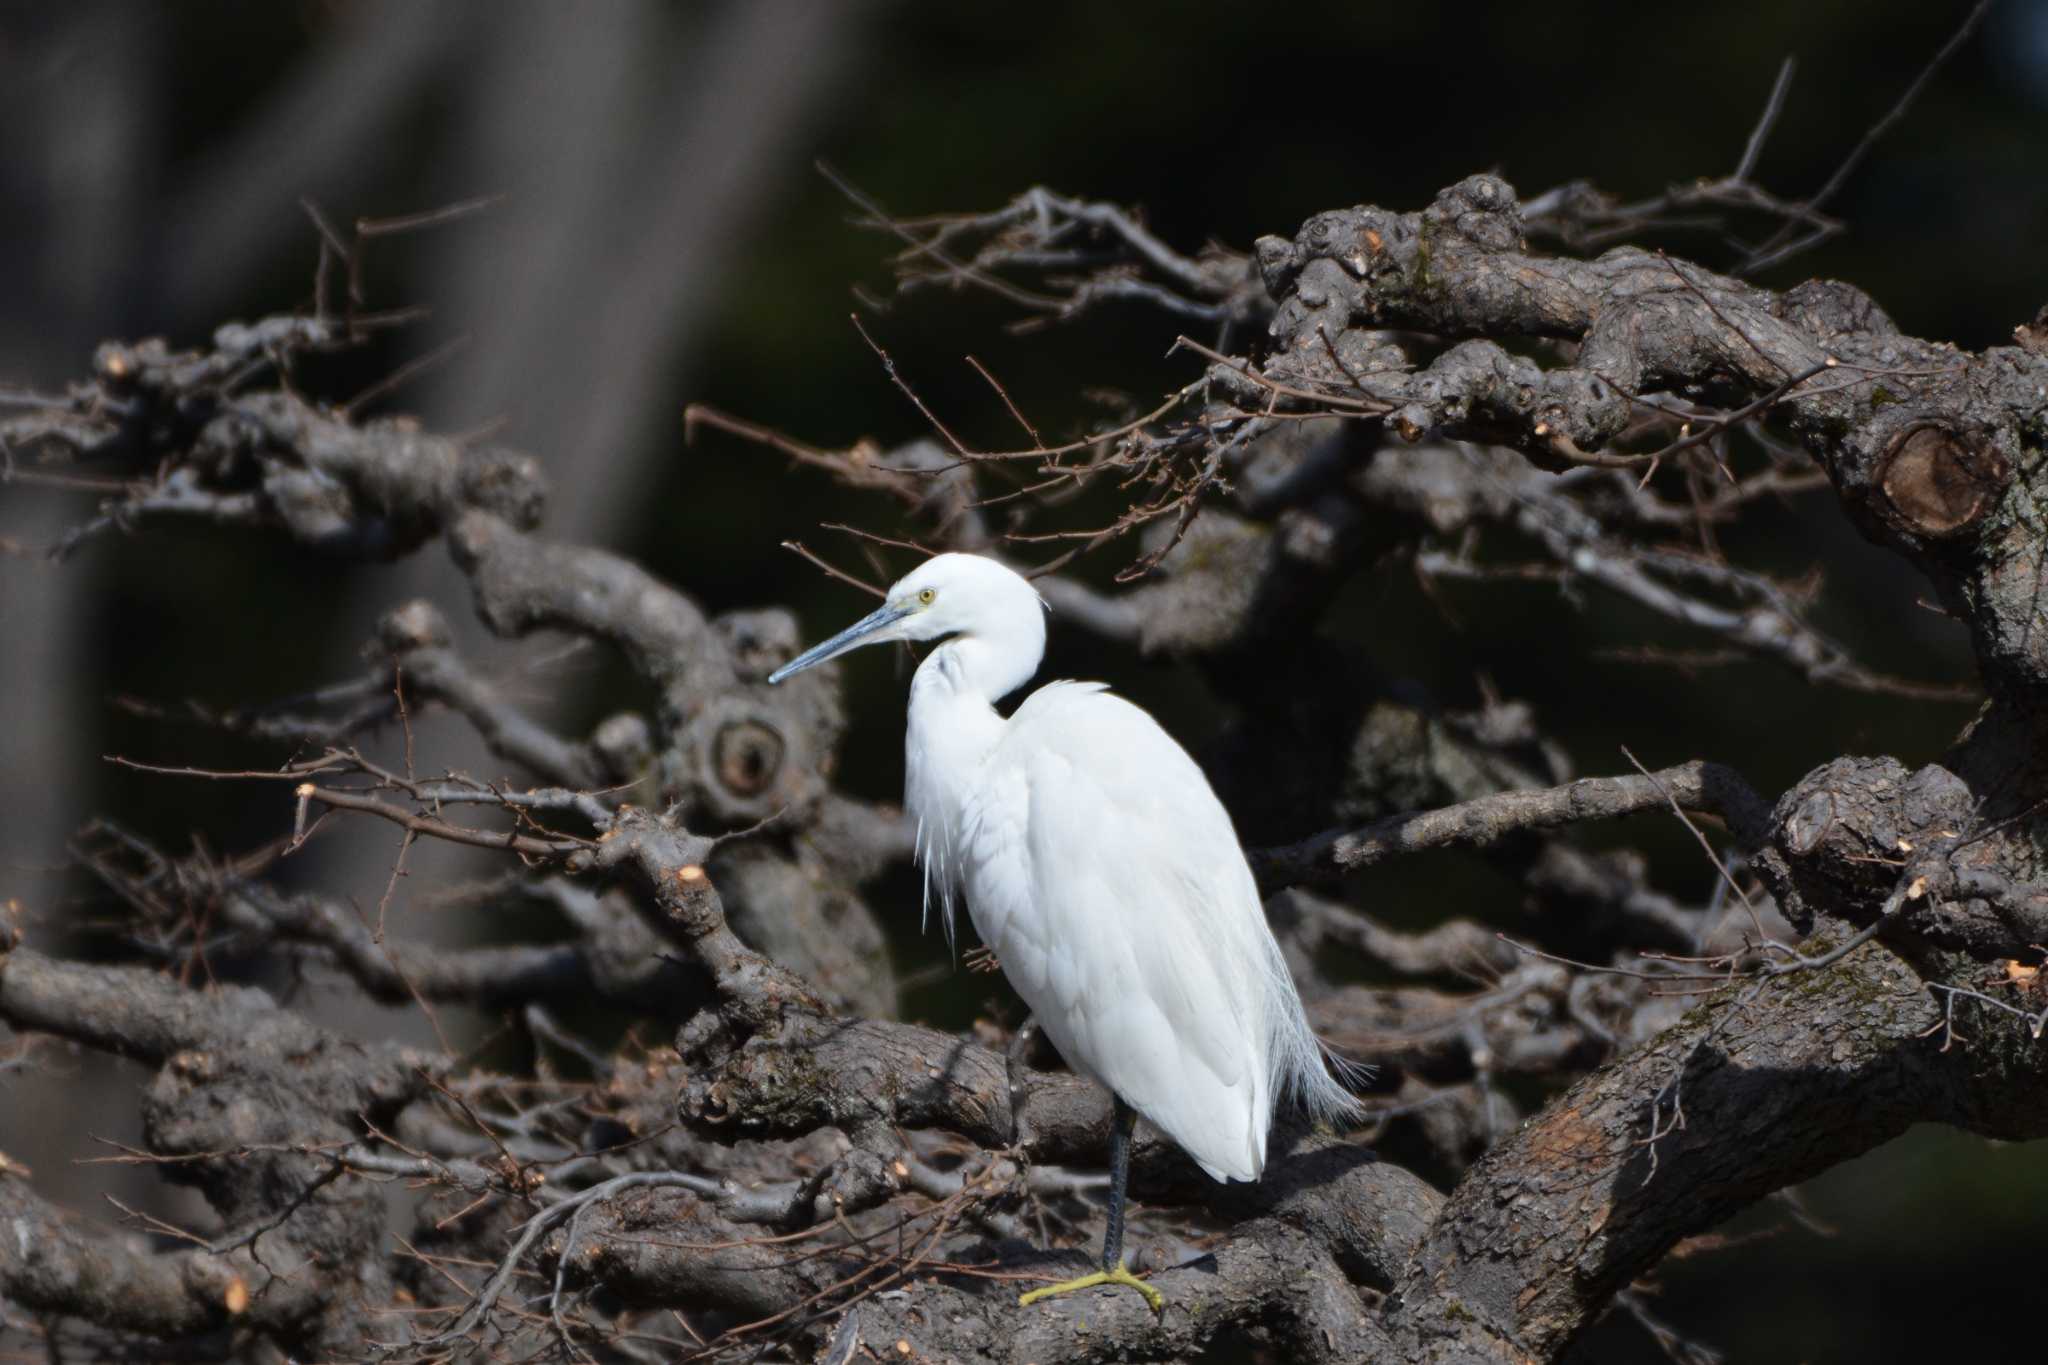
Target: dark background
[(661, 238)]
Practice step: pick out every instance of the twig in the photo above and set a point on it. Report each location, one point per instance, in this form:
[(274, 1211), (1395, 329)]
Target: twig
[(1781, 244)]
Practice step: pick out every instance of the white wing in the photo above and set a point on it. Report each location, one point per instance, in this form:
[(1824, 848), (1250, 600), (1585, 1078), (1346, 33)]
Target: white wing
[(1107, 877)]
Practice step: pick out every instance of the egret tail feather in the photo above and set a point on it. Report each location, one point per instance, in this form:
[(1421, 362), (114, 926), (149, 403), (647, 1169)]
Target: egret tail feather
[(1303, 1063)]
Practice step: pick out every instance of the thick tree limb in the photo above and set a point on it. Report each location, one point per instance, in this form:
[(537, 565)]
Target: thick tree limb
[(1272, 1274), (1691, 786), (245, 1097), (377, 489), (1921, 440), (803, 1158), (1760, 1088), (50, 1264)]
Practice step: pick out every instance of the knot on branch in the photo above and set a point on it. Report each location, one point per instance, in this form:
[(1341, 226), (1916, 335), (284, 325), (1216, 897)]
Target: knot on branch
[(1373, 267), (1866, 839), (729, 750), (1482, 209), (1362, 243), (1854, 820), (1921, 440), (736, 758), (1939, 480), (748, 757)]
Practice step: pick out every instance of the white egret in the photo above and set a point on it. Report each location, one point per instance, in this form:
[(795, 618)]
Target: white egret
[(1105, 874)]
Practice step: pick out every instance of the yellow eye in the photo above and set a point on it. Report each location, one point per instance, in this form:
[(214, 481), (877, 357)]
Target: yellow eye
[(927, 596)]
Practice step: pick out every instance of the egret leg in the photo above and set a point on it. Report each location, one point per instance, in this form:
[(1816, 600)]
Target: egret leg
[(1113, 1271)]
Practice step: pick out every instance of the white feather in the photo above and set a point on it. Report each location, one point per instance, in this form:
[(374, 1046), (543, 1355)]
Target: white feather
[(1099, 865)]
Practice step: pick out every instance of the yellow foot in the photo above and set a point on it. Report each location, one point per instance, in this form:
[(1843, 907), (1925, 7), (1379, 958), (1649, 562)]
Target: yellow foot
[(1121, 1275)]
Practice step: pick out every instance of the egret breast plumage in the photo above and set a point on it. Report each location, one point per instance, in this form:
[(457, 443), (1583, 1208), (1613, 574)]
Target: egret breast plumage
[(1097, 863)]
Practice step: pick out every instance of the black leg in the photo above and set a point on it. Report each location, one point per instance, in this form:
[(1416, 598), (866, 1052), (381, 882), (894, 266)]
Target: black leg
[(1112, 1271), (1122, 1126)]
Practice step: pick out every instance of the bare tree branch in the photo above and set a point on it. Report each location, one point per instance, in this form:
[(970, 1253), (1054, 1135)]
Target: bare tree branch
[(1333, 854)]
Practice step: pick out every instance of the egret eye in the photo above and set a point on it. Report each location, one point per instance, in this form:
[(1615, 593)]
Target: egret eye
[(927, 596)]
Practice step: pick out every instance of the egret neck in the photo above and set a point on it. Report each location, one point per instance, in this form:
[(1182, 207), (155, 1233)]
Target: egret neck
[(953, 727)]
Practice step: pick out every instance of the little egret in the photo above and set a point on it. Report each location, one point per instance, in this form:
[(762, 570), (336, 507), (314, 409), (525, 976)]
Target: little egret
[(1105, 874)]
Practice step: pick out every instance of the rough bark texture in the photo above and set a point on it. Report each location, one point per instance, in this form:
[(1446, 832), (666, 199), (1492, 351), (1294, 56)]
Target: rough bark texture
[(803, 1172)]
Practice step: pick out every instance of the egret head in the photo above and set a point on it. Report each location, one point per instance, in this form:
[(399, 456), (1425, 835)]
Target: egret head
[(951, 594)]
